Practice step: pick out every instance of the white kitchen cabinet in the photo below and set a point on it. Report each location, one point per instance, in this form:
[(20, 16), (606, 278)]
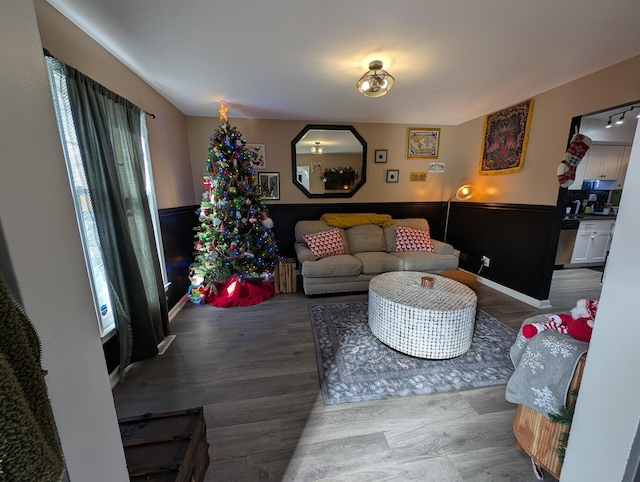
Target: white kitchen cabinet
[(603, 162), (593, 241), (622, 167)]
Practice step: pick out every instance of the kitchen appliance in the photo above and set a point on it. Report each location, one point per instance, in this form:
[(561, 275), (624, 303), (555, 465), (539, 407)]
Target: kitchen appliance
[(596, 185)]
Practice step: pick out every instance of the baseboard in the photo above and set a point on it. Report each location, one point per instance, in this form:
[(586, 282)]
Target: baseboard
[(513, 293), (114, 378), (178, 306), (164, 344)]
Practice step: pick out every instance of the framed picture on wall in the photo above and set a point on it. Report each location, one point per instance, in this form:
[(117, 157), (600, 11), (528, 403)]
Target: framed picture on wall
[(423, 142), (259, 155), (269, 185), (392, 175), (380, 155)]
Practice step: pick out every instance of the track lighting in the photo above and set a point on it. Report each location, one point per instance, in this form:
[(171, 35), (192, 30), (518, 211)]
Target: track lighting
[(620, 121)]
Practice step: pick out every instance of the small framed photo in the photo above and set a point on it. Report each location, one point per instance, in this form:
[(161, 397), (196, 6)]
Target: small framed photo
[(436, 167), (259, 155), (381, 155), (392, 175), (418, 176), (423, 143), (269, 185)]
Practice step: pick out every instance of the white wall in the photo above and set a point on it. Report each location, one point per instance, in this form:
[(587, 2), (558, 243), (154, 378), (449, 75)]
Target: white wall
[(43, 244), (608, 408)]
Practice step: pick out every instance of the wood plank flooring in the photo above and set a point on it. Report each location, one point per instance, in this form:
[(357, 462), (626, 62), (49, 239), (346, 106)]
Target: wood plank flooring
[(254, 371)]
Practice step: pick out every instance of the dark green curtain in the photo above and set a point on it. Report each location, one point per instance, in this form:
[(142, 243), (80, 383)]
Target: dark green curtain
[(110, 139)]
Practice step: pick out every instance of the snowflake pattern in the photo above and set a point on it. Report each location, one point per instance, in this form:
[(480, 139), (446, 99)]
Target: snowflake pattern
[(544, 399), (532, 359), (521, 341), (558, 346)]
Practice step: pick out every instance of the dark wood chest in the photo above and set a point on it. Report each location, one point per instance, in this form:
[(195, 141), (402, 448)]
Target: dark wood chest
[(166, 447)]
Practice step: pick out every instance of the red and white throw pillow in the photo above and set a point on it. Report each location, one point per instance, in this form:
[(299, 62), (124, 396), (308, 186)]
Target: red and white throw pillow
[(408, 239), (325, 243)]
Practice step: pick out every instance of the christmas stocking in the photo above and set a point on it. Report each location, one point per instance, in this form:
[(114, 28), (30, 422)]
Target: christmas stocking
[(555, 323), (577, 149)]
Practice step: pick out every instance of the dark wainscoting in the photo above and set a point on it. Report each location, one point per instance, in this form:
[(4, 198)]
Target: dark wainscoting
[(285, 217), (517, 238), (520, 239), (176, 225)]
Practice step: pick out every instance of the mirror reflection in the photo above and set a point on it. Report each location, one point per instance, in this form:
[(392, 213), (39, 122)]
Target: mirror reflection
[(329, 161)]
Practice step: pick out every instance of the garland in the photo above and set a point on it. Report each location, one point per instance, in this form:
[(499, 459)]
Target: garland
[(564, 417), (338, 170)]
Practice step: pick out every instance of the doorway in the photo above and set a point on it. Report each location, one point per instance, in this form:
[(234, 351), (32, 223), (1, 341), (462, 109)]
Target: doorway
[(598, 187)]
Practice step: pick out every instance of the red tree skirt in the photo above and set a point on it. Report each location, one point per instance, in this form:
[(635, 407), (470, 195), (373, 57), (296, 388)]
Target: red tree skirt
[(234, 292)]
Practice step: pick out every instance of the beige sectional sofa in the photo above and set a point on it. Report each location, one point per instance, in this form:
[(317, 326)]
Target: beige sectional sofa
[(369, 250)]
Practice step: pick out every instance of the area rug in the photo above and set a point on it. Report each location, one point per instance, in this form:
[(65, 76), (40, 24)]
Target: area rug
[(354, 366)]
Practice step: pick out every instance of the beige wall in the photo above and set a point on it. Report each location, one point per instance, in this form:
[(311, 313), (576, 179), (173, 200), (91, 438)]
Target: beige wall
[(459, 147), (167, 132), (277, 136), (552, 114), (43, 247)]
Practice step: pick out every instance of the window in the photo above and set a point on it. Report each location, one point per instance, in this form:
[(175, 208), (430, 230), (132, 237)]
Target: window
[(84, 208)]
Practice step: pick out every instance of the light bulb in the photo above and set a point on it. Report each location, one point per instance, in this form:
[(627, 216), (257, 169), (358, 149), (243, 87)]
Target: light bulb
[(366, 85)]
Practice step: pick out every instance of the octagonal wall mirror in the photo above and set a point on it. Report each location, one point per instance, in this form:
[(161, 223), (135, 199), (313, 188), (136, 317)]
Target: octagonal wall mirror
[(337, 169)]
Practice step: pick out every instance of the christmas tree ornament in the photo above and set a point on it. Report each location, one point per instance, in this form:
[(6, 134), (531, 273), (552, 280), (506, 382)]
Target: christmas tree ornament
[(230, 222)]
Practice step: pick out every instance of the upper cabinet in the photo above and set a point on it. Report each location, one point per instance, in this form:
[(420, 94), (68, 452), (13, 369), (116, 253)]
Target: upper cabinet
[(622, 168), (602, 163)]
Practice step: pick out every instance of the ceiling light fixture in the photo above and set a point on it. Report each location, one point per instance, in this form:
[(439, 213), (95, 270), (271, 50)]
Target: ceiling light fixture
[(608, 126), (317, 149), (375, 82), (621, 120)]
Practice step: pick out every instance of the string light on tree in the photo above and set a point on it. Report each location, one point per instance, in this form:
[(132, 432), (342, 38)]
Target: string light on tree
[(234, 241)]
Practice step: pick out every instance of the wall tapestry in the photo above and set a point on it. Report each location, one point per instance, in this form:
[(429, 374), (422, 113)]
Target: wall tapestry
[(504, 139)]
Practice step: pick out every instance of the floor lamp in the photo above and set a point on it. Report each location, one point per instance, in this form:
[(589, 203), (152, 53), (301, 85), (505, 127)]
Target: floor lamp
[(464, 193)]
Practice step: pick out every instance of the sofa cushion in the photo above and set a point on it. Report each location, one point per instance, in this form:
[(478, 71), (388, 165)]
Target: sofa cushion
[(413, 223), (325, 243), (310, 227), (376, 262), (408, 239), (425, 261), (365, 238), (339, 265)]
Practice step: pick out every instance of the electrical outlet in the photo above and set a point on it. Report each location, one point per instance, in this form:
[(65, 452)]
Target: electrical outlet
[(486, 261)]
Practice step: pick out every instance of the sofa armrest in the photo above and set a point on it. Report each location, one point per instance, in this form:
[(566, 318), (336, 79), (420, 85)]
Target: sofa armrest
[(303, 253), (440, 247)]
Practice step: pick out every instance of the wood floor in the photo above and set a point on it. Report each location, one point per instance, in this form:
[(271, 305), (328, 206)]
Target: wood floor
[(254, 371)]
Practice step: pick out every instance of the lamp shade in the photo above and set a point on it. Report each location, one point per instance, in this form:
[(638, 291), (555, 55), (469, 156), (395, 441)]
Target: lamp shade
[(375, 82), (465, 192)]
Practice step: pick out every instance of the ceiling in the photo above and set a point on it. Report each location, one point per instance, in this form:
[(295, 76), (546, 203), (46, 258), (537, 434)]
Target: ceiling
[(453, 60)]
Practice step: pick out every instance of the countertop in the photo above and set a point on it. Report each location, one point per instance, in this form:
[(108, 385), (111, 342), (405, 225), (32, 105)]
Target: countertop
[(588, 217)]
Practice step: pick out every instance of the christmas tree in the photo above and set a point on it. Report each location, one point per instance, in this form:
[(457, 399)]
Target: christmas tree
[(234, 240)]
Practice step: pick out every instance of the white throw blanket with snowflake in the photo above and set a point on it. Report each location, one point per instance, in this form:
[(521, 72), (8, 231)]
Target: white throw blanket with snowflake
[(544, 366)]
